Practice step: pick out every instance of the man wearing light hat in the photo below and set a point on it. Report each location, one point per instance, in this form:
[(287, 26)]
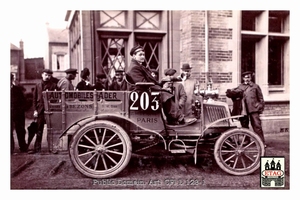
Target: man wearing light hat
[(189, 85), (252, 103), (66, 82)]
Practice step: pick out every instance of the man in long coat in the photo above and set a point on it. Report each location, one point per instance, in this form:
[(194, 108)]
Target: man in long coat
[(38, 105), (17, 120), (140, 73), (253, 103), (189, 84)]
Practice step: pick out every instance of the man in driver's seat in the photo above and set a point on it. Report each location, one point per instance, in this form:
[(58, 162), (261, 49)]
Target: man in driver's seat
[(140, 73)]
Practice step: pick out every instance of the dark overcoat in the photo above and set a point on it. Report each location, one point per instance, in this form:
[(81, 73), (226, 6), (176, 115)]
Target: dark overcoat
[(253, 97), (38, 103), (140, 73), (180, 95), (18, 102), (83, 85), (118, 87)]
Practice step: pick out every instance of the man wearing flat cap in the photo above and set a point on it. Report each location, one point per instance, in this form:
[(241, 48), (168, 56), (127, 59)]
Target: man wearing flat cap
[(176, 88), (101, 82), (190, 85), (252, 104), (119, 82), (139, 73), (38, 105), (66, 82)]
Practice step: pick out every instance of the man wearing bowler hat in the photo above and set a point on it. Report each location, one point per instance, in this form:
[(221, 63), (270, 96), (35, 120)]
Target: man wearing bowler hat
[(139, 73), (84, 84), (189, 85), (38, 105), (66, 82), (252, 103)]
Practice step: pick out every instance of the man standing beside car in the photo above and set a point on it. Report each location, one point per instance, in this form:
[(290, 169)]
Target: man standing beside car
[(253, 103), (177, 88), (38, 105)]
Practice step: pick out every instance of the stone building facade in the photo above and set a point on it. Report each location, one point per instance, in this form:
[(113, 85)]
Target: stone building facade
[(218, 44)]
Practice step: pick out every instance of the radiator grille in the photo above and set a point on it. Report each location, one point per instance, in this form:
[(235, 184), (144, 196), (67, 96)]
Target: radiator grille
[(213, 113)]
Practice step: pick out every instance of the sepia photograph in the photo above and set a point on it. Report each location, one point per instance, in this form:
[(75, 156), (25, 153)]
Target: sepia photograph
[(151, 99)]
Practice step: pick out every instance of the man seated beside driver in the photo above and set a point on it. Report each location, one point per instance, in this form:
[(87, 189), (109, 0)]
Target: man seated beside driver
[(176, 88), (140, 73)]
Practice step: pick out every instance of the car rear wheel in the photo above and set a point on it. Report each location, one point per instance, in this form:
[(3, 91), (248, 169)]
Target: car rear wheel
[(100, 149)]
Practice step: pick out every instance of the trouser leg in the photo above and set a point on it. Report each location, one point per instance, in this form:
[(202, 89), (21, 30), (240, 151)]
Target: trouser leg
[(39, 134), (244, 121), (172, 111), (12, 142), (21, 132), (256, 125), (245, 124)]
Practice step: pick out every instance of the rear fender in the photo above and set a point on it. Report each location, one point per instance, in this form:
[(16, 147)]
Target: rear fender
[(124, 122)]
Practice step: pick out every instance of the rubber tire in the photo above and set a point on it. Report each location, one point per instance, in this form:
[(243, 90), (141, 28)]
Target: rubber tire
[(110, 172), (239, 172)]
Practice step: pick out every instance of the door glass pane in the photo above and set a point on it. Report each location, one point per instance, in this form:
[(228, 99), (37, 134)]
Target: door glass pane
[(112, 56), (151, 53)]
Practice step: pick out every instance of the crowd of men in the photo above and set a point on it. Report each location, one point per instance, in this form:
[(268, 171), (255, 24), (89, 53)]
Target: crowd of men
[(50, 83), (177, 97)]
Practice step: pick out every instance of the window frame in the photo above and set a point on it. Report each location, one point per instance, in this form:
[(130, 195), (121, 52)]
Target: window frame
[(261, 37)]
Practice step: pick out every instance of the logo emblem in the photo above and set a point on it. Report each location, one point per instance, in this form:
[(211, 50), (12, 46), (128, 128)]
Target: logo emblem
[(272, 171)]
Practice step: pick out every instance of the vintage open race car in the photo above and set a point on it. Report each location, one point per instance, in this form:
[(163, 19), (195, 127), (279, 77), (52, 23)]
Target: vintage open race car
[(102, 129)]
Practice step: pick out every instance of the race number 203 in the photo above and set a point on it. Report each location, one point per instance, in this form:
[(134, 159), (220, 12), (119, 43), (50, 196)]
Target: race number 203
[(144, 101)]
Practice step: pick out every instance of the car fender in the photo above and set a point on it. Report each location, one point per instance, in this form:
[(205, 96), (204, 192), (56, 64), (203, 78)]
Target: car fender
[(71, 130)]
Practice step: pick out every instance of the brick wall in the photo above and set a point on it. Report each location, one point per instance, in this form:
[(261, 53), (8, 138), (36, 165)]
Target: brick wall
[(220, 50), (276, 109), (192, 38), (222, 64)]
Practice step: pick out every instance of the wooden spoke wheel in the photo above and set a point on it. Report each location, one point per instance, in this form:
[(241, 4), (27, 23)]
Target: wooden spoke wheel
[(238, 151), (100, 149)]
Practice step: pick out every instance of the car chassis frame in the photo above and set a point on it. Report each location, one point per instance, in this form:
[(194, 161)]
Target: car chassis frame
[(102, 129)]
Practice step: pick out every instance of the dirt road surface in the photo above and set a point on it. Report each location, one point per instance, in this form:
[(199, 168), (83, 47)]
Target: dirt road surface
[(174, 172)]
